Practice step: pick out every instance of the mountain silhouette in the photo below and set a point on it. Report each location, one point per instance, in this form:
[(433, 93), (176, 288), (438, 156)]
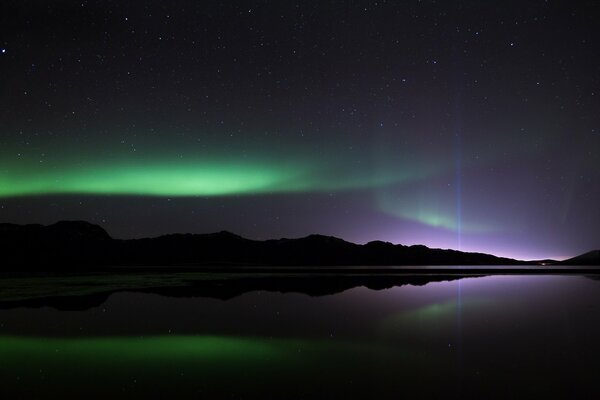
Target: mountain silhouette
[(80, 244), (68, 243), (589, 258)]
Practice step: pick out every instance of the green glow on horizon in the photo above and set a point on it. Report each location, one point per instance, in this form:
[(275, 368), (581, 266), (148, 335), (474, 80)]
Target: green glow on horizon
[(432, 211)]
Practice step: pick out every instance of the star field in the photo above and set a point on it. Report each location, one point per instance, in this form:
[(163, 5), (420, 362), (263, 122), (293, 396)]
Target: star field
[(468, 125)]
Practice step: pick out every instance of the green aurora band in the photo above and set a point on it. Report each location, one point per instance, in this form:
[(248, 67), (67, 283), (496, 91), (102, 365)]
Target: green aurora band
[(432, 209), (168, 176), (211, 172), (153, 179)]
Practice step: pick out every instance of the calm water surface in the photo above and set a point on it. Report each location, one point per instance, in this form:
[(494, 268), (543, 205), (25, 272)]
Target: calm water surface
[(503, 336)]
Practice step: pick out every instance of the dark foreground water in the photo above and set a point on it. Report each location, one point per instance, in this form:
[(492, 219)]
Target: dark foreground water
[(500, 336)]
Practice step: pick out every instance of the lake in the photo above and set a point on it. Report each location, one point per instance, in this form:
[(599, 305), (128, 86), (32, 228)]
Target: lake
[(294, 336)]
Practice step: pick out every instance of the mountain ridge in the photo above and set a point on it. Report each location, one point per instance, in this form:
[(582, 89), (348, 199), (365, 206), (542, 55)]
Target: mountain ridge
[(589, 258), (83, 245)]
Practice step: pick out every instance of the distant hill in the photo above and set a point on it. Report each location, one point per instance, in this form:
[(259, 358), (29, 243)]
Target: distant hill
[(589, 258), (81, 245)]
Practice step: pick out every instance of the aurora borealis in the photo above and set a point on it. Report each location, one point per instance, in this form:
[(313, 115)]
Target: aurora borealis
[(194, 174), (469, 126)]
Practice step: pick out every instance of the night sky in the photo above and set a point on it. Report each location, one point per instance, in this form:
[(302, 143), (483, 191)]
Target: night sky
[(472, 125)]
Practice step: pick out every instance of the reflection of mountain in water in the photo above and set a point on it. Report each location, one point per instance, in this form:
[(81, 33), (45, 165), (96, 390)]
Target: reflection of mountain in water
[(229, 287)]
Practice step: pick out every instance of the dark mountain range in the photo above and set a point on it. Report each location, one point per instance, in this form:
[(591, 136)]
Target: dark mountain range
[(70, 244), (589, 258)]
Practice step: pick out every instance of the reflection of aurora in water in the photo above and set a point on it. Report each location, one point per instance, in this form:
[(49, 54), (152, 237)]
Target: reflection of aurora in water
[(352, 344), (139, 350), (433, 317), (437, 322), (214, 365)]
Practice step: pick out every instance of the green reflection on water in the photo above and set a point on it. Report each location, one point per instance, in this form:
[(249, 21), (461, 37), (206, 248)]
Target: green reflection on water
[(435, 319), (219, 366), (155, 348)]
